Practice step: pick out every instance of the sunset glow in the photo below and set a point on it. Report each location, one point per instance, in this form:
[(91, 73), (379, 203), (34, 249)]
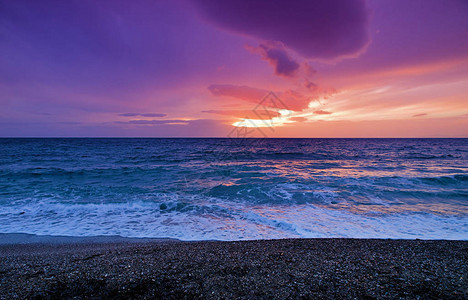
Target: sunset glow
[(199, 68)]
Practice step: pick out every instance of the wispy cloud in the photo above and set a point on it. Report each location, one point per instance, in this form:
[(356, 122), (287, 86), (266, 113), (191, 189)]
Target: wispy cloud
[(246, 114), (322, 112), (242, 92), (154, 122), (146, 115), (292, 99)]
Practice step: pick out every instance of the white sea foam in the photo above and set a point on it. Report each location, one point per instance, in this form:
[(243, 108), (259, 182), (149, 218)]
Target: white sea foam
[(224, 221)]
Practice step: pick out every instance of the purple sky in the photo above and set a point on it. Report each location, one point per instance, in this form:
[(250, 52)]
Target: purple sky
[(343, 68)]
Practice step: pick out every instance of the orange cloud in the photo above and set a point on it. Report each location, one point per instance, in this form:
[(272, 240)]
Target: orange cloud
[(322, 112), (245, 114)]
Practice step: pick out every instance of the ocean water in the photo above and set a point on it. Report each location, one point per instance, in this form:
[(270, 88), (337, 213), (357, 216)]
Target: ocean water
[(235, 189)]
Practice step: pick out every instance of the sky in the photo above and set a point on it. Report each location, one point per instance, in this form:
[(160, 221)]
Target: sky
[(209, 68)]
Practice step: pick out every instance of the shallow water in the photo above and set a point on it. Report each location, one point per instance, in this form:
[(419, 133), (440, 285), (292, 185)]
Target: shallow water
[(231, 189)]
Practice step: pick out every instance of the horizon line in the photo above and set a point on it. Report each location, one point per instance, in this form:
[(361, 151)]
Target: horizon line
[(211, 137)]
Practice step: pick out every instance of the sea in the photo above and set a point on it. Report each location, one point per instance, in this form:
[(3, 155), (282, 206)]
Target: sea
[(235, 188)]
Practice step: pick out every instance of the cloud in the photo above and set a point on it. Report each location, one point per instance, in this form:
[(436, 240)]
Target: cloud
[(154, 122), (419, 115), (298, 119), (322, 112), (325, 29), (146, 115), (289, 99), (129, 115), (242, 92), (275, 54), (310, 85), (295, 100), (309, 70), (174, 127), (152, 115), (246, 114)]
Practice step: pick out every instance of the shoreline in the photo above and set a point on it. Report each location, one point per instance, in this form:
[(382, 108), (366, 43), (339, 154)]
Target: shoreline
[(28, 238), (289, 268)]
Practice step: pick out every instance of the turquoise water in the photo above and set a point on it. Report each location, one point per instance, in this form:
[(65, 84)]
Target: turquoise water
[(233, 189)]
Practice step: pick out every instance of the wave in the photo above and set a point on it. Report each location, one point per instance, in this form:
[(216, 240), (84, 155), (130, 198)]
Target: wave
[(222, 221), (422, 156), (445, 180), (235, 189)]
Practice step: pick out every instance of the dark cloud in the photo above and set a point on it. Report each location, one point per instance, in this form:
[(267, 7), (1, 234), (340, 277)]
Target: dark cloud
[(129, 114), (276, 55), (153, 115), (420, 115), (146, 115), (153, 122), (157, 122), (325, 29), (310, 85)]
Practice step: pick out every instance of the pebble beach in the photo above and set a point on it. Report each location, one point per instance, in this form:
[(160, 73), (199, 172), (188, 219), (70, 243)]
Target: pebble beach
[(273, 269)]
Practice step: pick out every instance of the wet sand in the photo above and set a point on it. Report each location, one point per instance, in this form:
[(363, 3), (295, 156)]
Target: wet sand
[(296, 268)]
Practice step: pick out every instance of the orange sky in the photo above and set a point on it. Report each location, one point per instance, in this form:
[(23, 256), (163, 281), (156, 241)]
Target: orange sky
[(190, 68)]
